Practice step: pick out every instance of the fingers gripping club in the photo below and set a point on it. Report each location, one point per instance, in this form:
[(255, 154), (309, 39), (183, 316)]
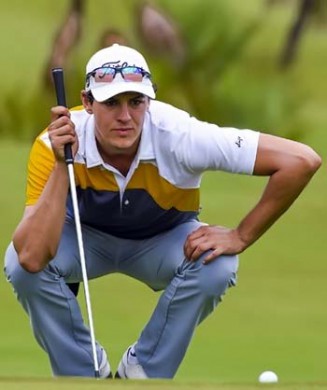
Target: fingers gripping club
[(58, 78)]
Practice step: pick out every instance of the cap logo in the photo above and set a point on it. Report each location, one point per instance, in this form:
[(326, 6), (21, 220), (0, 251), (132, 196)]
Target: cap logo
[(116, 64)]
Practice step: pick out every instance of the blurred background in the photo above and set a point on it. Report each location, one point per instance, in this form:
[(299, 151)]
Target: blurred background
[(259, 64)]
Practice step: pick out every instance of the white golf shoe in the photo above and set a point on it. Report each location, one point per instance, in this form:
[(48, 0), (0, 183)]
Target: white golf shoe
[(129, 367), (104, 366)]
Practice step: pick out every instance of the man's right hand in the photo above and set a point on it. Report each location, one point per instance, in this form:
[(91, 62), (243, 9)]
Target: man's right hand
[(61, 132)]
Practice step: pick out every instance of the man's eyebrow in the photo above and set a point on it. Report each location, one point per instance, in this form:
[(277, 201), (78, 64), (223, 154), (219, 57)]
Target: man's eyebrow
[(113, 98), (138, 96)]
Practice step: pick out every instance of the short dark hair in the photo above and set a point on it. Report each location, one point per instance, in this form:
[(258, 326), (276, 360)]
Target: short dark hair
[(89, 96)]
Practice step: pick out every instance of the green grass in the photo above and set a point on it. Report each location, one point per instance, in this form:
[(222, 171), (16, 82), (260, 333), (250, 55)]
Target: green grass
[(78, 384), (274, 319), (89, 384)]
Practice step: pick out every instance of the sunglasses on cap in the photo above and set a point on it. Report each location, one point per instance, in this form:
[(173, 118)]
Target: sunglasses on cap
[(107, 74)]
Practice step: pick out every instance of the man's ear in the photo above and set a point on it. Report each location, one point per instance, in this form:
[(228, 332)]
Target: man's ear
[(87, 102)]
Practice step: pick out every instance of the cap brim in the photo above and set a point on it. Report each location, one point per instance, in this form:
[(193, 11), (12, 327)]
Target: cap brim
[(107, 91)]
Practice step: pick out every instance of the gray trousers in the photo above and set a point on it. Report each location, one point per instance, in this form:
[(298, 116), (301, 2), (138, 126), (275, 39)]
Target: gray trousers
[(191, 292)]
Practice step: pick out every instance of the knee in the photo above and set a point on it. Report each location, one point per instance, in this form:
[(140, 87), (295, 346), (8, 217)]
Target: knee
[(214, 278), (22, 281)]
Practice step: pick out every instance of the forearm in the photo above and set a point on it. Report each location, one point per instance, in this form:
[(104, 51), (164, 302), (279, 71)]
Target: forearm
[(282, 190), (37, 237)]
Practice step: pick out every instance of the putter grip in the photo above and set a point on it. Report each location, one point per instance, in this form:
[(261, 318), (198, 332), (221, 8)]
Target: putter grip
[(58, 79)]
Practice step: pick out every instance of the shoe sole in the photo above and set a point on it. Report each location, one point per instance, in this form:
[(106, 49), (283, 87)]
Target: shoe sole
[(120, 373)]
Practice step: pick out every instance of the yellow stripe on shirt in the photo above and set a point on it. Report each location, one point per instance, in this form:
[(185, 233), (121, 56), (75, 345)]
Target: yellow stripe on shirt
[(95, 178), (146, 177), (40, 166), (165, 194)]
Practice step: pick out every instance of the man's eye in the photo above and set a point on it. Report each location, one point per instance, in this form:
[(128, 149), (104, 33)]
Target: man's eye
[(110, 102), (137, 102)]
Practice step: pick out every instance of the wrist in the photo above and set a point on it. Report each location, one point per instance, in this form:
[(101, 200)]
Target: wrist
[(244, 240), (60, 165), (60, 170)]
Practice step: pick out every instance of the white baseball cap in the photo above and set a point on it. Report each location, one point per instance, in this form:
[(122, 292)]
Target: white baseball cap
[(121, 58)]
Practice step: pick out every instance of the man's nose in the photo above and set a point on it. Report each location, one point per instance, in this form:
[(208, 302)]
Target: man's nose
[(124, 114)]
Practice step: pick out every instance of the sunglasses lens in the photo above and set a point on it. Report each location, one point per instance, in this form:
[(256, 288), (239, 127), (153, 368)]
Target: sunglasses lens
[(132, 73), (104, 75), (128, 73)]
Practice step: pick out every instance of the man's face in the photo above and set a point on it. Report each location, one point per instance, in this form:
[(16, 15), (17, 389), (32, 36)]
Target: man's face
[(118, 122)]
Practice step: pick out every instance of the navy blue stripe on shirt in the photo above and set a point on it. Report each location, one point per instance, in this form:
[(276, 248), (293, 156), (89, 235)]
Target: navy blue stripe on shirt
[(138, 216)]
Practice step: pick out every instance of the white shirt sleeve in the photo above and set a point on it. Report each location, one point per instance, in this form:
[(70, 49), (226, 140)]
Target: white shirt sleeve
[(210, 147), (200, 146)]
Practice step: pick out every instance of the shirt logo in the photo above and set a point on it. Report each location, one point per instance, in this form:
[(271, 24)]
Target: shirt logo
[(239, 141)]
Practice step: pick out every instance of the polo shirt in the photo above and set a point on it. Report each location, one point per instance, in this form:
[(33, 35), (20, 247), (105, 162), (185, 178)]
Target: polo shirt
[(161, 189)]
